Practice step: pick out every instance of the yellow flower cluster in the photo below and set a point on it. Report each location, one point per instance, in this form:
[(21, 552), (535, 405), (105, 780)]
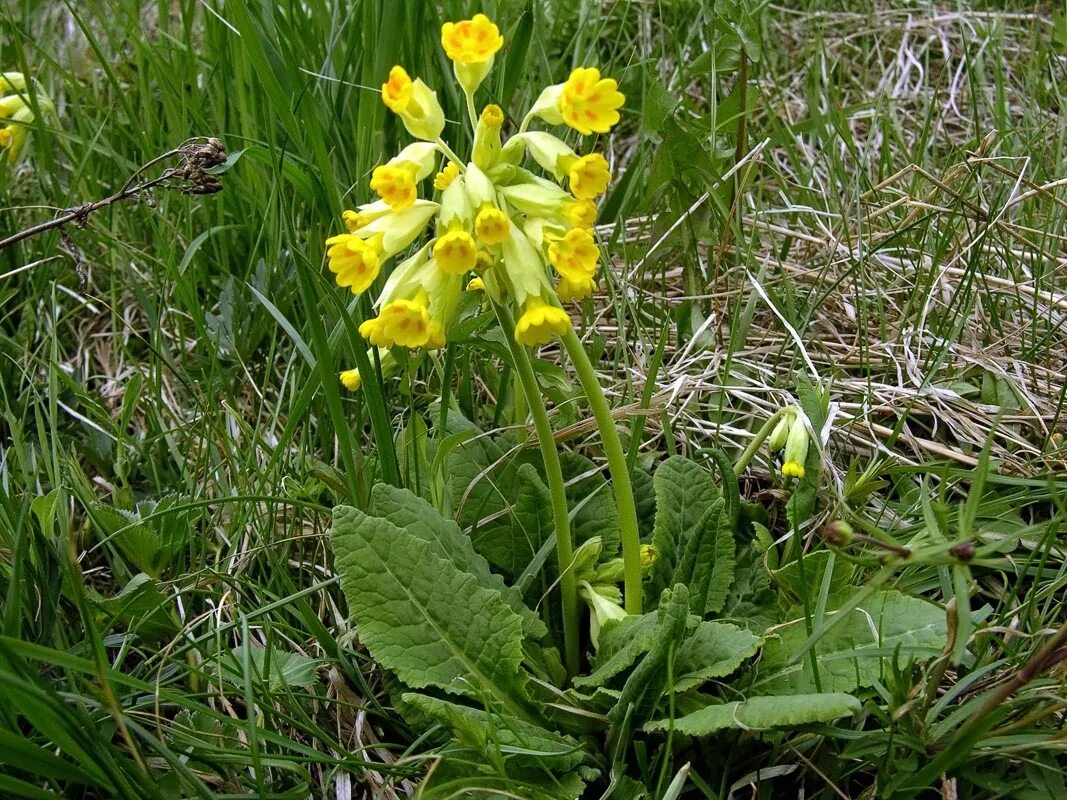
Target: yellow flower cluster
[(15, 108), (491, 214)]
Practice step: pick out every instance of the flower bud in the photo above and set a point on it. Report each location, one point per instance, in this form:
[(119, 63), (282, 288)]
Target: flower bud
[(838, 533), (487, 146), (796, 448), (415, 103)]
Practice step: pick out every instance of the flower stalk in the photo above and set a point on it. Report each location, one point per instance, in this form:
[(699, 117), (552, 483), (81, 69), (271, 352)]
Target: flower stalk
[(617, 466), (556, 487)]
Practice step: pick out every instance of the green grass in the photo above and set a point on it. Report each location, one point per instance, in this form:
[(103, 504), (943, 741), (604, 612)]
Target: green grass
[(169, 403)]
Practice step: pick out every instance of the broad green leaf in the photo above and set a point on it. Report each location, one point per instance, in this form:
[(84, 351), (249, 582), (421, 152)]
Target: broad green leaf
[(621, 643), (815, 566), (512, 544), (592, 503), (685, 492), (760, 713), (713, 650), (706, 565), (279, 668), (418, 518), (141, 606), (522, 742), (422, 617), (851, 654), (479, 477), (645, 685)]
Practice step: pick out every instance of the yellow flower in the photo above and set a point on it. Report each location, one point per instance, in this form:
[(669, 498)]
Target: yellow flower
[(415, 103), (398, 229), (579, 289), (648, 556), (395, 184), (471, 45), (471, 41), (354, 262), (400, 322), (491, 225), (581, 213), (443, 179), (589, 103), (476, 285), (574, 256), (368, 213), (539, 322), (589, 176), (796, 448), (456, 252), (14, 107), (350, 379)]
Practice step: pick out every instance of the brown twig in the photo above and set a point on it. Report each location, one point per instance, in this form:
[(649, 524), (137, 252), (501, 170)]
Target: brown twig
[(192, 176)]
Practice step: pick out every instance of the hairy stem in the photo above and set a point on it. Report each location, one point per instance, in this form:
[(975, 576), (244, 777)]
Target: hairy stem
[(556, 487), (620, 473)]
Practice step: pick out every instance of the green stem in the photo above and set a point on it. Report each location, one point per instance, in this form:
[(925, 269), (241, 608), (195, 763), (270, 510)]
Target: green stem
[(472, 112), (556, 487), (760, 437), (450, 154), (620, 473)]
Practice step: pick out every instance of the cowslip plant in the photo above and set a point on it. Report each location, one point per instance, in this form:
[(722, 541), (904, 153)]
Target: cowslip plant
[(515, 219)]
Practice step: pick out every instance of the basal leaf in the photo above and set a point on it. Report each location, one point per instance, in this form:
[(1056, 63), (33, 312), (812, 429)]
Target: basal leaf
[(684, 493), (592, 503), (815, 566), (280, 669), (851, 654), (511, 542), (521, 742), (713, 650), (422, 617), (410, 512), (621, 644), (760, 713)]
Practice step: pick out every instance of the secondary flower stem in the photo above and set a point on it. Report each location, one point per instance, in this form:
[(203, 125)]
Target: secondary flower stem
[(450, 154), (760, 437), (472, 112), (556, 487), (620, 473)]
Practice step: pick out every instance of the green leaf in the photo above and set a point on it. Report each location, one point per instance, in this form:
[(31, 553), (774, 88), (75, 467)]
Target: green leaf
[(592, 503), (713, 650), (513, 544), (279, 668), (621, 643), (417, 517), (850, 655), (707, 562), (425, 619), (644, 687), (685, 493), (141, 606), (815, 566), (521, 742), (760, 713)]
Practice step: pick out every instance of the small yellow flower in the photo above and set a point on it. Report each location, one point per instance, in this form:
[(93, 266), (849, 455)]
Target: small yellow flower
[(581, 213), (400, 322), (491, 225), (575, 256), (589, 103), (471, 45), (456, 252), (357, 220), (443, 179), (648, 556), (589, 176), (579, 289), (14, 107), (539, 322), (354, 262), (395, 184), (350, 379), (435, 336), (476, 285), (471, 41), (796, 448), (415, 103)]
